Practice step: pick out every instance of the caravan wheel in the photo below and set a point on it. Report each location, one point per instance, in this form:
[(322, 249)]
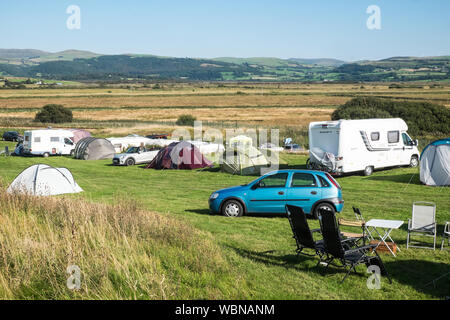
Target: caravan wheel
[(414, 162), (368, 170)]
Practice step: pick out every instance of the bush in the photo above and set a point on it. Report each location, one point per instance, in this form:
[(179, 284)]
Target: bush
[(54, 113), (186, 120), (422, 117)]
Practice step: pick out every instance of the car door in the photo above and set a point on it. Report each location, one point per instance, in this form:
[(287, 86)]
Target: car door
[(303, 191), (269, 194)]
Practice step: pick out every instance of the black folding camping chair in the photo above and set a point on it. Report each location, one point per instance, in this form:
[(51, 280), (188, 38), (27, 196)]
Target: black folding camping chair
[(336, 250), (302, 234)]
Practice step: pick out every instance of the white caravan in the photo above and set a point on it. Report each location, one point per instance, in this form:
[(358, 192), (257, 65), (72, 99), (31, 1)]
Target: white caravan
[(48, 142), (360, 145)]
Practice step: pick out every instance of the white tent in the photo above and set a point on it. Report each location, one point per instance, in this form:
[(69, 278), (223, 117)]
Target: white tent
[(435, 163), (44, 180)]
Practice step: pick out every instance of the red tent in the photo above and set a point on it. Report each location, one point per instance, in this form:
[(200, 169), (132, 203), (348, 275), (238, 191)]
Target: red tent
[(179, 155)]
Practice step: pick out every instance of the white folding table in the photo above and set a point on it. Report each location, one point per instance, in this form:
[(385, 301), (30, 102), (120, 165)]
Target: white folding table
[(387, 226)]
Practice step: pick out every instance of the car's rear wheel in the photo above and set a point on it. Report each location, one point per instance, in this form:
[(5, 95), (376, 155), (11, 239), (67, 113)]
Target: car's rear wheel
[(130, 162), (324, 206), (232, 208)]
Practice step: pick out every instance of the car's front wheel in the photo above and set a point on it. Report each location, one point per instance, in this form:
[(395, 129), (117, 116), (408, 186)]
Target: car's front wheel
[(130, 162), (232, 208), (323, 206)]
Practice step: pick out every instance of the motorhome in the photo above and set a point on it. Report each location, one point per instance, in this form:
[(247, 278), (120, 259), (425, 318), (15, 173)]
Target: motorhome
[(345, 146), (48, 142)]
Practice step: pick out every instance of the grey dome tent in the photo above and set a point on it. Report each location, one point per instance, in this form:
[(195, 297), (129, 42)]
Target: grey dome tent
[(435, 163), (91, 148)]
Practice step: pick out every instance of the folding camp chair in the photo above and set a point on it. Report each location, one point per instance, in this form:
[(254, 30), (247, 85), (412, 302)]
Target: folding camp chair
[(359, 222), (423, 223), (303, 235), (335, 249), (446, 235)]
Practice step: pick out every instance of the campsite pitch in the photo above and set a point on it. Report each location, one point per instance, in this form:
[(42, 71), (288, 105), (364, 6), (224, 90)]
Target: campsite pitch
[(254, 257)]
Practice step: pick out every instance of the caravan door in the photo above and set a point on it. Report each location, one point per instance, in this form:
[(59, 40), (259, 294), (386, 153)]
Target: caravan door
[(408, 148), (396, 146)]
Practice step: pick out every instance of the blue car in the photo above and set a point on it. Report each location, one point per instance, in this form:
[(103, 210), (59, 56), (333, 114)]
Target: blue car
[(270, 193)]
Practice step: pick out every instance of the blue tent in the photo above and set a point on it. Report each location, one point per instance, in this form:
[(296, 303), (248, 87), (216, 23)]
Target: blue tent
[(435, 163)]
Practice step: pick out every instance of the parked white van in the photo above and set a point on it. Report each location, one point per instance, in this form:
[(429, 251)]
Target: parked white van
[(48, 142), (360, 145)]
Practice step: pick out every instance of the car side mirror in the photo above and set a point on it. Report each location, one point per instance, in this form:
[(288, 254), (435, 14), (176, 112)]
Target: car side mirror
[(416, 142)]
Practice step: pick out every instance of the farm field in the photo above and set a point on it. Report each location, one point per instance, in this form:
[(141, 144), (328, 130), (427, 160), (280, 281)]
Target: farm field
[(248, 104), (254, 256)]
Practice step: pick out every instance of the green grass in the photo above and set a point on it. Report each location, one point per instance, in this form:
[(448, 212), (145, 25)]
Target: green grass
[(260, 250)]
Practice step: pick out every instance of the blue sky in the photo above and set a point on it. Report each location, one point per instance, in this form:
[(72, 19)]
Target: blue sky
[(246, 28)]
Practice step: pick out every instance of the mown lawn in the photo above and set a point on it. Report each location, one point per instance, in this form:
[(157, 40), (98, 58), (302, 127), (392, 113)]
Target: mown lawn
[(260, 250)]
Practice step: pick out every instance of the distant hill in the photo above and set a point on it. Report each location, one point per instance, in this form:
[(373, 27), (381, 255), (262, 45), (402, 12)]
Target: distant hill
[(115, 67), (32, 56), (86, 65), (270, 62), (20, 53), (321, 62)]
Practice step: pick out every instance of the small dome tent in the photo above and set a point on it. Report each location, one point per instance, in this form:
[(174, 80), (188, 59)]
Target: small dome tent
[(435, 163), (93, 149), (179, 155), (44, 180), (243, 160)]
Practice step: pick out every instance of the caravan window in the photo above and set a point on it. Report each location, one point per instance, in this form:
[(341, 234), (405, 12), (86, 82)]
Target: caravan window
[(375, 136), (407, 140), (54, 139), (37, 139), (393, 136), (27, 138)]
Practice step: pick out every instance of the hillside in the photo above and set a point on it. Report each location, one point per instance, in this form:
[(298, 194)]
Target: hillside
[(85, 65), (33, 57)]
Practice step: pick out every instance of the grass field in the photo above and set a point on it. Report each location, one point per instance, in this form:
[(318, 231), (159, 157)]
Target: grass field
[(255, 255), (193, 254)]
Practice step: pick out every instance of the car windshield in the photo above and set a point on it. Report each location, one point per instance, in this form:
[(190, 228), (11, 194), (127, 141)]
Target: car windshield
[(132, 150)]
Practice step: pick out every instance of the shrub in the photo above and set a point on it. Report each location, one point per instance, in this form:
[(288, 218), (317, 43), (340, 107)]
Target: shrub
[(186, 120), (54, 113), (422, 117)]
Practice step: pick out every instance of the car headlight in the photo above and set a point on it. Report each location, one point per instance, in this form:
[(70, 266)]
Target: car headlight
[(214, 195)]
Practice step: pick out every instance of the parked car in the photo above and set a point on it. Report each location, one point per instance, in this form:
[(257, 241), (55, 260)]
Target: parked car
[(308, 189), (134, 155), (158, 136), (12, 136), (293, 147)]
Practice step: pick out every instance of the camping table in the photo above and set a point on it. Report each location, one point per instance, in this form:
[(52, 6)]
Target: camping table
[(387, 226)]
